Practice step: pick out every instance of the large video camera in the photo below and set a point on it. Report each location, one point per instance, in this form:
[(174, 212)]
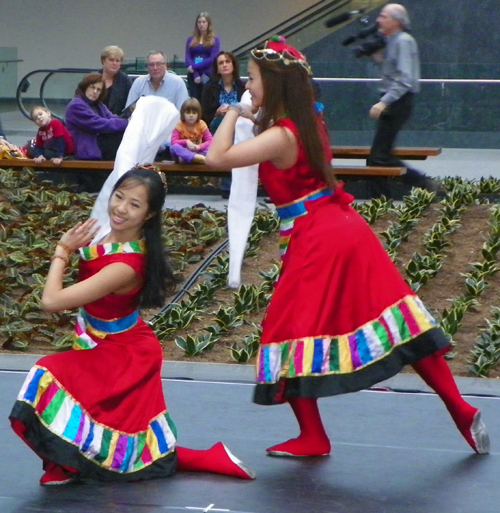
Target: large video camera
[(376, 41)]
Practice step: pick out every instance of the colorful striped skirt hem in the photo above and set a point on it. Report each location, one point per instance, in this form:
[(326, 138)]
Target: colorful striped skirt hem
[(331, 365), (53, 423)]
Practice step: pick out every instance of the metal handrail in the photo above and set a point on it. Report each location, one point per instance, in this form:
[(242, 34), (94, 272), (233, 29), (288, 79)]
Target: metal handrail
[(424, 80), (24, 84)]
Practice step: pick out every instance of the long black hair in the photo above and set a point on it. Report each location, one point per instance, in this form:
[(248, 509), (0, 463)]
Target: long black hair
[(159, 277)]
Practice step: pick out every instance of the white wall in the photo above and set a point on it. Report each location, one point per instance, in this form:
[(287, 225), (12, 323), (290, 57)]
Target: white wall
[(72, 33)]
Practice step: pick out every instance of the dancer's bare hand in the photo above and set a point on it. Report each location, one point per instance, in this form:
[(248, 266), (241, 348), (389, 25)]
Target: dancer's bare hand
[(248, 111), (80, 235)]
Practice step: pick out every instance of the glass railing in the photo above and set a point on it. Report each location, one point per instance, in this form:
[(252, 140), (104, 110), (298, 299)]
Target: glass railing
[(52, 88), (309, 25), (448, 112)]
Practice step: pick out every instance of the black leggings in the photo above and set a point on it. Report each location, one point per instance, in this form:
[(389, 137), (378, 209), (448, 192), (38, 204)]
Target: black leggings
[(390, 122)]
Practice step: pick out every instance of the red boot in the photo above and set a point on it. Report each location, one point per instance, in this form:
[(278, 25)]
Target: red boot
[(434, 370), (217, 459), (313, 440), (55, 475)]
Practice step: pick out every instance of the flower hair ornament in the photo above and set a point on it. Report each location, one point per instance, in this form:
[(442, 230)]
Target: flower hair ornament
[(152, 167), (276, 49)]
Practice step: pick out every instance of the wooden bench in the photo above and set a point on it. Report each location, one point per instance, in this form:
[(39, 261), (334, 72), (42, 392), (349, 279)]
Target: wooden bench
[(202, 170), (362, 152), (181, 169)]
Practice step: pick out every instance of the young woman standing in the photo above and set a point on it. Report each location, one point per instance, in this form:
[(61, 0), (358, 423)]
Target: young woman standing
[(341, 317), (201, 49)]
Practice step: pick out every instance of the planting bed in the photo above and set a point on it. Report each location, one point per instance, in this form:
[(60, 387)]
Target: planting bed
[(447, 250)]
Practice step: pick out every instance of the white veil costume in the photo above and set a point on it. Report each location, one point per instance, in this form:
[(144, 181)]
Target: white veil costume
[(151, 124), (242, 201)]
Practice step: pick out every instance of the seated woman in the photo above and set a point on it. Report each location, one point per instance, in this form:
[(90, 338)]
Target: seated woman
[(117, 82), (224, 89), (87, 118)]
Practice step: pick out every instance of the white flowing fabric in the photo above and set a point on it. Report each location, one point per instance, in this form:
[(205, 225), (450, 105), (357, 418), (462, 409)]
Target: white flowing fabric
[(242, 201), (152, 122)]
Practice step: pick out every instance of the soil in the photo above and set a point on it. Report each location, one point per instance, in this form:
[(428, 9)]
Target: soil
[(465, 248)]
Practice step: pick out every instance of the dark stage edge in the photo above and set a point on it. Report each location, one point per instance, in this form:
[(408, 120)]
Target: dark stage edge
[(394, 452)]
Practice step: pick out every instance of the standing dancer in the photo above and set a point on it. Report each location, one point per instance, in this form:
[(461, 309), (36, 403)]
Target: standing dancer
[(341, 317)]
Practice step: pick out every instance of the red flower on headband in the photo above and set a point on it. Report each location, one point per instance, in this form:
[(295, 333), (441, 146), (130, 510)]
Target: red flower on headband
[(278, 44)]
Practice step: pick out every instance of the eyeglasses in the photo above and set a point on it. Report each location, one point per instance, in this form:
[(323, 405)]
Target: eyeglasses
[(95, 88), (156, 64)]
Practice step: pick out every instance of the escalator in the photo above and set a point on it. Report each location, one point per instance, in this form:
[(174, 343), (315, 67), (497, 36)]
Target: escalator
[(309, 26), (51, 88)]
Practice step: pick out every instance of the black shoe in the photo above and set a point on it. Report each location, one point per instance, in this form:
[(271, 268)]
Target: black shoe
[(224, 194), (430, 184), (434, 186)]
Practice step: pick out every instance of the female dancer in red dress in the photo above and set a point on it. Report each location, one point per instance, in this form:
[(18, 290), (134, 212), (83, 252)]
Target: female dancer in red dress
[(341, 317), (98, 411)]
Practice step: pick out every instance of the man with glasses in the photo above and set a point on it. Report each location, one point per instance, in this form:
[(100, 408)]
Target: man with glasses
[(158, 82)]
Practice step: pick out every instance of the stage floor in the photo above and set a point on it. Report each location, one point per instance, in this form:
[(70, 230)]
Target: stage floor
[(394, 452)]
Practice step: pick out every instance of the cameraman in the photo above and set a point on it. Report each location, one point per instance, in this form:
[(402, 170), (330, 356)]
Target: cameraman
[(400, 70)]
